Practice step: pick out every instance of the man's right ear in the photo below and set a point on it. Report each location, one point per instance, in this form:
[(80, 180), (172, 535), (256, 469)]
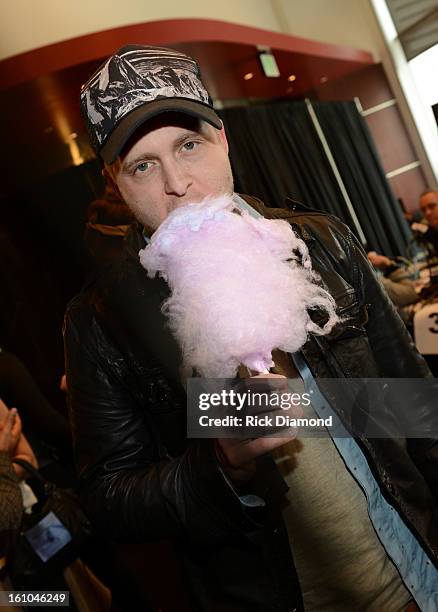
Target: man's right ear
[(108, 176)]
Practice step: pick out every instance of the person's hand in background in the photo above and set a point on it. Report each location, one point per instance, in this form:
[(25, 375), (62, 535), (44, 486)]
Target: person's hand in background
[(381, 262), (63, 383), (22, 448), (10, 432)]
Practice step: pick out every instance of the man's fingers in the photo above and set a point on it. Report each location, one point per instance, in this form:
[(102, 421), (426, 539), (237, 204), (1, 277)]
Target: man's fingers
[(281, 383), (268, 375), (239, 452)]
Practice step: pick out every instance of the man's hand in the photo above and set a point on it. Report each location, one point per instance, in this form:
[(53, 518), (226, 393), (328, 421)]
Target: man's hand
[(237, 457), (10, 432), (381, 262)]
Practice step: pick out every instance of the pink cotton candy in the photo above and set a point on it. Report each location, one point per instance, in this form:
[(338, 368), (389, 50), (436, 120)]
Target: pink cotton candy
[(240, 287)]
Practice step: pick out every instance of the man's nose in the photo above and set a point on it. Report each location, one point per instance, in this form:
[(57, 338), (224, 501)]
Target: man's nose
[(176, 178)]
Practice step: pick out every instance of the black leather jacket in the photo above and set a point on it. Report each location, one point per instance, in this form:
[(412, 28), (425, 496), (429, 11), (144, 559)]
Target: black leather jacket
[(142, 480)]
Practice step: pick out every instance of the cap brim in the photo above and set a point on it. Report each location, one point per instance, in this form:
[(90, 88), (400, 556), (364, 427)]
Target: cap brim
[(127, 126)]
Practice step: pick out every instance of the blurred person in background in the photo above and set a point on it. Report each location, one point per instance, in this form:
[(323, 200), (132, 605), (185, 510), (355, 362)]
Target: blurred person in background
[(108, 221), (428, 233), (398, 285)]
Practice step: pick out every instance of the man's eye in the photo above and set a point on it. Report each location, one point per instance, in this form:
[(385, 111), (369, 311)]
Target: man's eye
[(142, 167), (189, 146)]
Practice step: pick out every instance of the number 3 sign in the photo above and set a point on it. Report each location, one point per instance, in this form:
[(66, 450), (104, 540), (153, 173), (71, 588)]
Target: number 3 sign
[(426, 329)]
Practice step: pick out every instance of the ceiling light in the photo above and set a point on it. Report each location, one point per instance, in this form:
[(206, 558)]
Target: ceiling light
[(248, 76), (323, 79), (269, 64), (291, 78)]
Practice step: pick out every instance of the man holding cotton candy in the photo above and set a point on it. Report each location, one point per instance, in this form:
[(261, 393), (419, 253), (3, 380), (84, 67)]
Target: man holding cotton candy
[(215, 285)]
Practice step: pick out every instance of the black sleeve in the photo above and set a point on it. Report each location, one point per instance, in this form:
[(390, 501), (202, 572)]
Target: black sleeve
[(128, 490)]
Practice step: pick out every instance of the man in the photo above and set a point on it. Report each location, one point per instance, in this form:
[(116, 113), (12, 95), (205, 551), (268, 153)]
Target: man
[(429, 207), (151, 121)]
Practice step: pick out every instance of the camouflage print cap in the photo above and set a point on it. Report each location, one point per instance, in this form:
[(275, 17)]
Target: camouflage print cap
[(135, 84)]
